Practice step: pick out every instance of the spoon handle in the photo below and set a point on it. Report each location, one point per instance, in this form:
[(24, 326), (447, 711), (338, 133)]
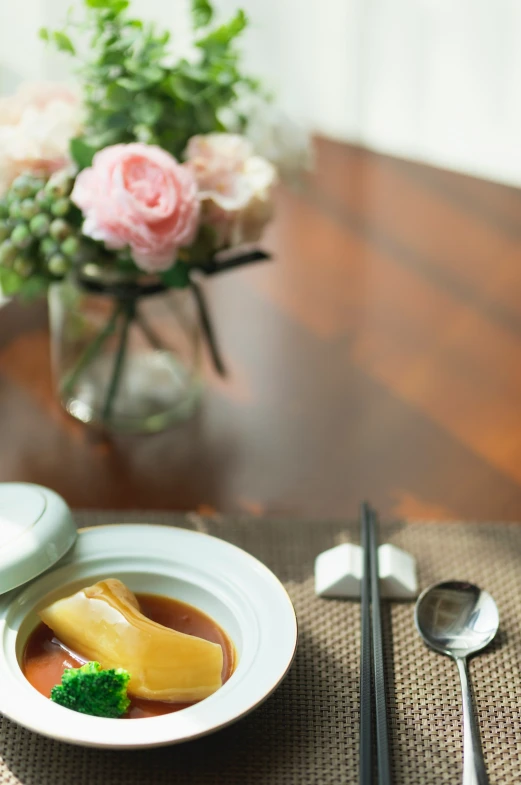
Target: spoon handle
[(474, 772)]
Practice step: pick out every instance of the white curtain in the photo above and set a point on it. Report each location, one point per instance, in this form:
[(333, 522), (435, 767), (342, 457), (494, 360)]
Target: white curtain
[(432, 80)]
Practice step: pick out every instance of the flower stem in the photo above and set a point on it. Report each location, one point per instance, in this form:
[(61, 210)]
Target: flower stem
[(208, 330), (90, 352), (128, 310), (150, 334)]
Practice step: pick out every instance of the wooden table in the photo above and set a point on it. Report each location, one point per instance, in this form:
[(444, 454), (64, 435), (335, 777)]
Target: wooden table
[(379, 356)]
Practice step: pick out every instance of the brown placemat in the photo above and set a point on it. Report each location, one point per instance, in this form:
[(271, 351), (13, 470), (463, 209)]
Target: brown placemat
[(307, 732)]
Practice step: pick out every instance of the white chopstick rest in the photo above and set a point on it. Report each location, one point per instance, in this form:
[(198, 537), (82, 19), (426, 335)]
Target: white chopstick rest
[(338, 572)]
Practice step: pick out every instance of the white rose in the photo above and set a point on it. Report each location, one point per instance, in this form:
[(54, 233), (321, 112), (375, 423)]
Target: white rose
[(36, 126), (235, 186)]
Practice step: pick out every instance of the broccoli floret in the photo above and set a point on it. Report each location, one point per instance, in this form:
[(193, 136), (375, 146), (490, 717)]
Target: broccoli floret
[(91, 690)]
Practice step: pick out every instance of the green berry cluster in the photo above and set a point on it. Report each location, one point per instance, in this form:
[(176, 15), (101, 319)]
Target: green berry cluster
[(40, 234)]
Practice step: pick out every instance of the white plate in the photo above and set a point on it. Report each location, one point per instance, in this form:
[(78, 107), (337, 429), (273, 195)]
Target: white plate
[(228, 584)]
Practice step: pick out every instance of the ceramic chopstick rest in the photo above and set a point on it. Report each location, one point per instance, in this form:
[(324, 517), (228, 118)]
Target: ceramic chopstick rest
[(338, 572)]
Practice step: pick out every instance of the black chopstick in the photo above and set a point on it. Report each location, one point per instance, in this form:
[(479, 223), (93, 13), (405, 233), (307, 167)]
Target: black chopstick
[(372, 644), (380, 693), (366, 719)]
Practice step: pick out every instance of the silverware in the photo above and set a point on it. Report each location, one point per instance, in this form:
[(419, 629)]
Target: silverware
[(371, 657), (459, 619)]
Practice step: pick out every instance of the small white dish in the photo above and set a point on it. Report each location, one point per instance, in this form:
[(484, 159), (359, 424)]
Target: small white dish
[(228, 584)]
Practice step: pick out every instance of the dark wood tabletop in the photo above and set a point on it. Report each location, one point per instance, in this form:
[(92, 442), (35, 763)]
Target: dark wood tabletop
[(378, 356)]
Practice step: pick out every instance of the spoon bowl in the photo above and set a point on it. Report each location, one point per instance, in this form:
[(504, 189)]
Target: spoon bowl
[(459, 619)]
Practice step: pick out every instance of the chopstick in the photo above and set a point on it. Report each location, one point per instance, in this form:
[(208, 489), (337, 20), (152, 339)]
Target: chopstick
[(366, 719), (380, 694), (372, 654)]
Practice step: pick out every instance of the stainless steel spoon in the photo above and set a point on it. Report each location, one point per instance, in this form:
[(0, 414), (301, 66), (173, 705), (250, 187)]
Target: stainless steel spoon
[(459, 619)]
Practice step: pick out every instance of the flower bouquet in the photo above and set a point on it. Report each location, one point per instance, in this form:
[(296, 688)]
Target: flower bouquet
[(118, 201)]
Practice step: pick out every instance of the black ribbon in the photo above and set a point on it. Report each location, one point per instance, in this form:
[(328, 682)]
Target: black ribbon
[(222, 262)]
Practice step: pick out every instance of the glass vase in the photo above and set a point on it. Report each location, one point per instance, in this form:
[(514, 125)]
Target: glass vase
[(126, 354)]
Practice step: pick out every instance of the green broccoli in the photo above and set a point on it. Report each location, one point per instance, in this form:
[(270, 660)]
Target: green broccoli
[(91, 690)]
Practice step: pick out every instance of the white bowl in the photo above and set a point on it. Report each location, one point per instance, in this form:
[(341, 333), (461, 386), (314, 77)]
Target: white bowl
[(228, 584)]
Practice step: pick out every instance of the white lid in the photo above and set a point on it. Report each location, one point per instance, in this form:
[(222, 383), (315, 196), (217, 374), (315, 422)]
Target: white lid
[(36, 530)]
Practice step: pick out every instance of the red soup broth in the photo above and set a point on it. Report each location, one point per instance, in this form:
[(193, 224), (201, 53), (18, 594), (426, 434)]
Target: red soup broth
[(44, 659)]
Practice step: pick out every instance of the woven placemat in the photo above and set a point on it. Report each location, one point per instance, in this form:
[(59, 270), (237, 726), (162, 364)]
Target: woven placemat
[(307, 732)]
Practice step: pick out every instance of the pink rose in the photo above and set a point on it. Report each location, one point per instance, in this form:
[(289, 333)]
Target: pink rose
[(139, 196), (235, 186)]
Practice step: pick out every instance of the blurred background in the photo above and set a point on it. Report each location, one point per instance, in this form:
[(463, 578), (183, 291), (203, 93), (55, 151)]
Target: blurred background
[(379, 354), (429, 80)]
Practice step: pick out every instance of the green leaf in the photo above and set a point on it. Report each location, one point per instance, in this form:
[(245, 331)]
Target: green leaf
[(63, 42), (145, 73), (177, 277), (197, 73), (132, 85), (153, 73), (81, 152), (105, 138), (183, 88), (147, 111), (116, 121), (110, 5), (206, 118), (43, 33), (221, 37), (144, 134), (202, 13), (116, 98), (173, 140)]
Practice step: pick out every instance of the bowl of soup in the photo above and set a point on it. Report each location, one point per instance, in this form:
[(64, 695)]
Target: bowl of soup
[(227, 609)]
